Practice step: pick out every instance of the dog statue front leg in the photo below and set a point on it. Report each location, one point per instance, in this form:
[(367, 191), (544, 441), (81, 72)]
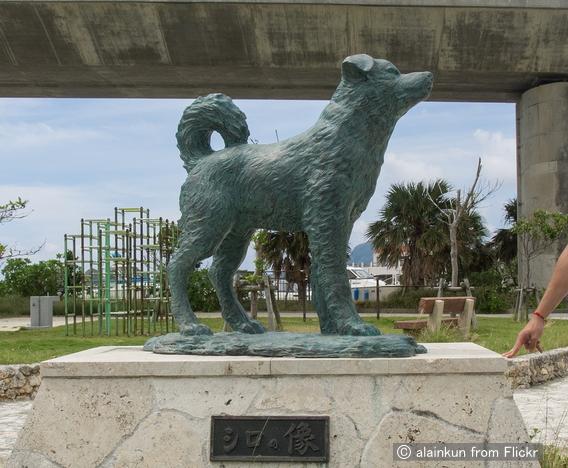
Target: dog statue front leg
[(329, 252), (327, 325)]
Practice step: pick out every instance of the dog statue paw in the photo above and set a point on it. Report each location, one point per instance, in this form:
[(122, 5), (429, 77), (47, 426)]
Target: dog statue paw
[(407, 342), (358, 329), (251, 327), (195, 329)]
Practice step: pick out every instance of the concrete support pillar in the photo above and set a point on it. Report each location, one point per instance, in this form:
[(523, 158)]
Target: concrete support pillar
[(542, 161)]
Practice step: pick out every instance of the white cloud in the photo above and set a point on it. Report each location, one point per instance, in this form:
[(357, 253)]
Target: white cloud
[(26, 135), (409, 167), (498, 154), (359, 231), (57, 210), (54, 210), (51, 249), (426, 161)]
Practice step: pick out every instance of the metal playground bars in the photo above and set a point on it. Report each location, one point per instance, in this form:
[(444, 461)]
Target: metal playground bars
[(116, 269)]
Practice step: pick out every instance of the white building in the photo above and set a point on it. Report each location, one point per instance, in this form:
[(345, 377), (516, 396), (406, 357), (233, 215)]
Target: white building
[(389, 275)]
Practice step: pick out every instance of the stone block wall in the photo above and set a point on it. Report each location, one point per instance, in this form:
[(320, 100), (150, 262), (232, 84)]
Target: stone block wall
[(19, 382), (533, 369)]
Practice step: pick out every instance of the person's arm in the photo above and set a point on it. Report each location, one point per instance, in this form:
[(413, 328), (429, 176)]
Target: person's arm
[(556, 291)]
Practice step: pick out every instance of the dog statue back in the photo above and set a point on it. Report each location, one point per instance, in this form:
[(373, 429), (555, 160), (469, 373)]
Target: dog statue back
[(319, 181)]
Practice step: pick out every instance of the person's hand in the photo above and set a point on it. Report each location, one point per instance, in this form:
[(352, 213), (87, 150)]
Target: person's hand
[(528, 337)]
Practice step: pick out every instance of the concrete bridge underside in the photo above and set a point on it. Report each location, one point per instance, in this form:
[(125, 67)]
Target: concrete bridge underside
[(478, 50)]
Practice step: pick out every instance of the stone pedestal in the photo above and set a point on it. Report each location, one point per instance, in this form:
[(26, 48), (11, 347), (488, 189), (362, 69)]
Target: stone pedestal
[(122, 407), (542, 157)]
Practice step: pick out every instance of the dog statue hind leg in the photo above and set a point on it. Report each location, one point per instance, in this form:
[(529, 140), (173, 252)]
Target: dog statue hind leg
[(209, 225), (194, 245), (226, 260)]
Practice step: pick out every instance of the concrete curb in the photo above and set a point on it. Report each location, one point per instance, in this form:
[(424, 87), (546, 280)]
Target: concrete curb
[(534, 369), (21, 381)]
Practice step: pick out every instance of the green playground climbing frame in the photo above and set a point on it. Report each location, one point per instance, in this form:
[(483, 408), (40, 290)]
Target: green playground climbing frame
[(115, 275)]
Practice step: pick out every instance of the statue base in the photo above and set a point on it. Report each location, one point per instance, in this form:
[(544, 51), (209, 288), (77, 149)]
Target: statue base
[(284, 344), (120, 406)]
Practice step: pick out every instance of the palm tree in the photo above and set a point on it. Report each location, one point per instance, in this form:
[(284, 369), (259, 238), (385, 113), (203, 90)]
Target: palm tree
[(504, 241), (272, 249), (288, 252), (474, 255), (409, 230)]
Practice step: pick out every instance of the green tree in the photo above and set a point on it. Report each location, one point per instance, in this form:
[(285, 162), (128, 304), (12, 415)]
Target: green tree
[(412, 231), (409, 231), (536, 233), (271, 248), (167, 238), (501, 249), (288, 252), (24, 278), (455, 212), (11, 211), (504, 241), (75, 274), (473, 253), (201, 292)]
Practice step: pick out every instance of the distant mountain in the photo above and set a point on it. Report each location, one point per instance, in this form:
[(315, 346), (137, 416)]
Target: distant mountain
[(362, 253)]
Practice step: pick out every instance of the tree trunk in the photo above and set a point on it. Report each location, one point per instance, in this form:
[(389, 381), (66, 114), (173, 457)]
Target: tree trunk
[(301, 291), (254, 304), (454, 252)]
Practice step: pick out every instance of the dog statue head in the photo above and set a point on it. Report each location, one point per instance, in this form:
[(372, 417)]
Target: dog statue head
[(380, 87)]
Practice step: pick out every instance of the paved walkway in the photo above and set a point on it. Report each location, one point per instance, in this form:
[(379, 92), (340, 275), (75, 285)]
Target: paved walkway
[(15, 323), (12, 418), (544, 410)]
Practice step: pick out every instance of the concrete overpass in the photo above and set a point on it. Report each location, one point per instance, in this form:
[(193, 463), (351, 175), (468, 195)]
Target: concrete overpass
[(478, 50)]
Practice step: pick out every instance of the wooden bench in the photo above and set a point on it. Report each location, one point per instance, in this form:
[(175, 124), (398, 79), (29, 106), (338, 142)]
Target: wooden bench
[(461, 310)]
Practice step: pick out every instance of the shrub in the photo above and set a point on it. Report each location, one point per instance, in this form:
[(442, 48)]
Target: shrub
[(16, 306), (491, 293), (491, 278), (202, 295), (490, 300), (13, 306), (405, 299), (409, 298), (554, 456)]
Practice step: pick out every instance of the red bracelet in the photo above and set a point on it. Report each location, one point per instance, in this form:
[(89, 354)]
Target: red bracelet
[(538, 315)]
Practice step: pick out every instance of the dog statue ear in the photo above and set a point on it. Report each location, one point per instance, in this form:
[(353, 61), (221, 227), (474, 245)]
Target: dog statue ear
[(356, 67)]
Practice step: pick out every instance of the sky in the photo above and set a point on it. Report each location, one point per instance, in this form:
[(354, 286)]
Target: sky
[(79, 158)]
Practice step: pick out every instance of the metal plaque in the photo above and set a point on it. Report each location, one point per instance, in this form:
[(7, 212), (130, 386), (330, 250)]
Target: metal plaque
[(270, 438)]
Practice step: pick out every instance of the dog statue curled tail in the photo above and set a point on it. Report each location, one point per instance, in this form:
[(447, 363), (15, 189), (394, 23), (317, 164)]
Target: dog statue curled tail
[(319, 181)]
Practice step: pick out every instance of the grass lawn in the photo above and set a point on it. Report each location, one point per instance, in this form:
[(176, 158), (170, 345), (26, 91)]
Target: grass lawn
[(27, 346)]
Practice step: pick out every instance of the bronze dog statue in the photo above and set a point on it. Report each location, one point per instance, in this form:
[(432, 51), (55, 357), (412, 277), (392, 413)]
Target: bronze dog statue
[(319, 181)]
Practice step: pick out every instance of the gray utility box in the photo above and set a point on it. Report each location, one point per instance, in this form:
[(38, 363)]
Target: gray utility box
[(41, 311)]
